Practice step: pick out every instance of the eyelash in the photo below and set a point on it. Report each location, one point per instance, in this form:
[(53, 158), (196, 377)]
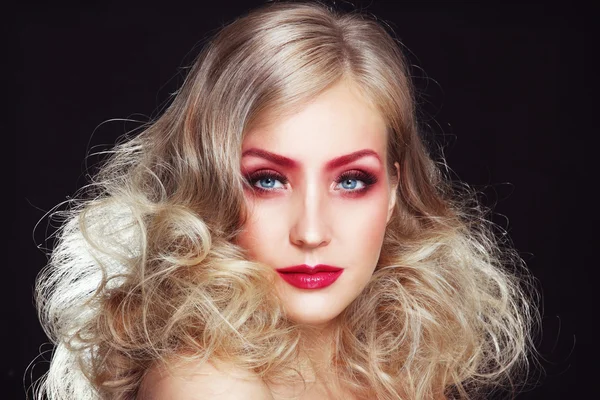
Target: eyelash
[(260, 175), (367, 178)]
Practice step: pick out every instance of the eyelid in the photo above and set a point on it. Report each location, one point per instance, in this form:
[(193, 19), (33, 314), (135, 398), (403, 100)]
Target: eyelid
[(258, 175), (266, 173), (355, 174)]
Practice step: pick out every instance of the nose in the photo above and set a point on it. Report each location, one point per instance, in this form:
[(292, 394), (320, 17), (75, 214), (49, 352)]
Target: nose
[(310, 229)]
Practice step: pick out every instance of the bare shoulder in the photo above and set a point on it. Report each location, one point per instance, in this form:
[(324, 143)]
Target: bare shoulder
[(202, 381)]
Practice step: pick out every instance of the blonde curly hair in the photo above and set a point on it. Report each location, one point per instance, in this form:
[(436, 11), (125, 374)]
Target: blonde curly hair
[(145, 268)]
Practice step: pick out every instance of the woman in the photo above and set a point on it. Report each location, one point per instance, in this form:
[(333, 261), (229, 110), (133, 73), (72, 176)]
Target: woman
[(282, 232)]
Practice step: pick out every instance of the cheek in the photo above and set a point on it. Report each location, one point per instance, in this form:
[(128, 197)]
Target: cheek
[(263, 226), (365, 217), (362, 227)]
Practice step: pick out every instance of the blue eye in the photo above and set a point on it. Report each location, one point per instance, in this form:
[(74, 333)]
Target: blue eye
[(268, 183), (351, 184), (355, 181)]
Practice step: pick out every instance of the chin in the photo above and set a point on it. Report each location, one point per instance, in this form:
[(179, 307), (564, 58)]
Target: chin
[(316, 319)]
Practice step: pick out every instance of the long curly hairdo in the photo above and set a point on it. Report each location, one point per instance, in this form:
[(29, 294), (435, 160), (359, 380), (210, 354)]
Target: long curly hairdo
[(145, 267)]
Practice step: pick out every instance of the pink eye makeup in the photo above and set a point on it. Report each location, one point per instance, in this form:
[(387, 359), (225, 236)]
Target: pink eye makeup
[(355, 182), (351, 183), (266, 180)]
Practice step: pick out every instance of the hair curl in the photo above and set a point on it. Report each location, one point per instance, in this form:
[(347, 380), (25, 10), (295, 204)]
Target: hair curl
[(146, 268)]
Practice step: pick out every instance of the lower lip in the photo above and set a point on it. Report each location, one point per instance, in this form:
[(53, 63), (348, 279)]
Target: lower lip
[(308, 281)]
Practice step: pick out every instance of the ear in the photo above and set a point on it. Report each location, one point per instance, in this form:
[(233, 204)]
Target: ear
[(393, 191)]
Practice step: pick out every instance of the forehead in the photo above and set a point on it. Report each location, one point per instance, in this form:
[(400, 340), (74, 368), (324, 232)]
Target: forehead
[(338, 121)]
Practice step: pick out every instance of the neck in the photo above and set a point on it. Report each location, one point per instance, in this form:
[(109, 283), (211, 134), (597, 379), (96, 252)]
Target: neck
[(317, 348)]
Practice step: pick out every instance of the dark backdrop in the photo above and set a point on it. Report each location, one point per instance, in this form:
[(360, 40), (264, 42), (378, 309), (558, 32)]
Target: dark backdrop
[(499, 87)]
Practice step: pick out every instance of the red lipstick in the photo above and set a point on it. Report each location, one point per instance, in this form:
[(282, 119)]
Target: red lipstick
[(306, 277)]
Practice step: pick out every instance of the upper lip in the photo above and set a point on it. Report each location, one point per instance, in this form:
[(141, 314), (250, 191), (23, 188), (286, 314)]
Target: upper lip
[(306, 269)]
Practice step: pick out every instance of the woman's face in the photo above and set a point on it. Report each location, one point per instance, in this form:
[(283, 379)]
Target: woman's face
[(322, 196)]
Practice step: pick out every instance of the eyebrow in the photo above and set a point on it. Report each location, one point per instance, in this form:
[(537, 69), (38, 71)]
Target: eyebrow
[(348, 158), (275, 158), (289, 163)]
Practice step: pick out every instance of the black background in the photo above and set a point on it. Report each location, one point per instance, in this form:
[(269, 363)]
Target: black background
[(502, 87)]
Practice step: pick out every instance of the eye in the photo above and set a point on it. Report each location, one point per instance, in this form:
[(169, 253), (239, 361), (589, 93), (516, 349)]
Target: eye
[(266, 181), (355, 181), (351, 184)]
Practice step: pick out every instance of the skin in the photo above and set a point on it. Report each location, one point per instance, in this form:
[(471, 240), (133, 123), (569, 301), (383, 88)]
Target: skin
[(310, 216), (307, 215), (310, 213)]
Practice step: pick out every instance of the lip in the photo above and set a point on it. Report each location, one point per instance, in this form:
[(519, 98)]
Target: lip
[(306, 277)]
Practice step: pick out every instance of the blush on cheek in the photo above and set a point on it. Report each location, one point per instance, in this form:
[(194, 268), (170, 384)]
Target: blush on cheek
[(373, 234), (363, 217), (377, 225), (376, 208)]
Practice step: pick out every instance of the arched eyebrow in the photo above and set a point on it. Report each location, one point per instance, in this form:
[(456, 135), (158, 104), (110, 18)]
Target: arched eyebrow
[(293, 164), (348, 158), (274, 158)]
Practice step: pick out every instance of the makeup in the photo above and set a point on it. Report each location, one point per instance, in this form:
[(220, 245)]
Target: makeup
[(316, 189), (306, 277), (269, 178), (351, 183), (358, 181)]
